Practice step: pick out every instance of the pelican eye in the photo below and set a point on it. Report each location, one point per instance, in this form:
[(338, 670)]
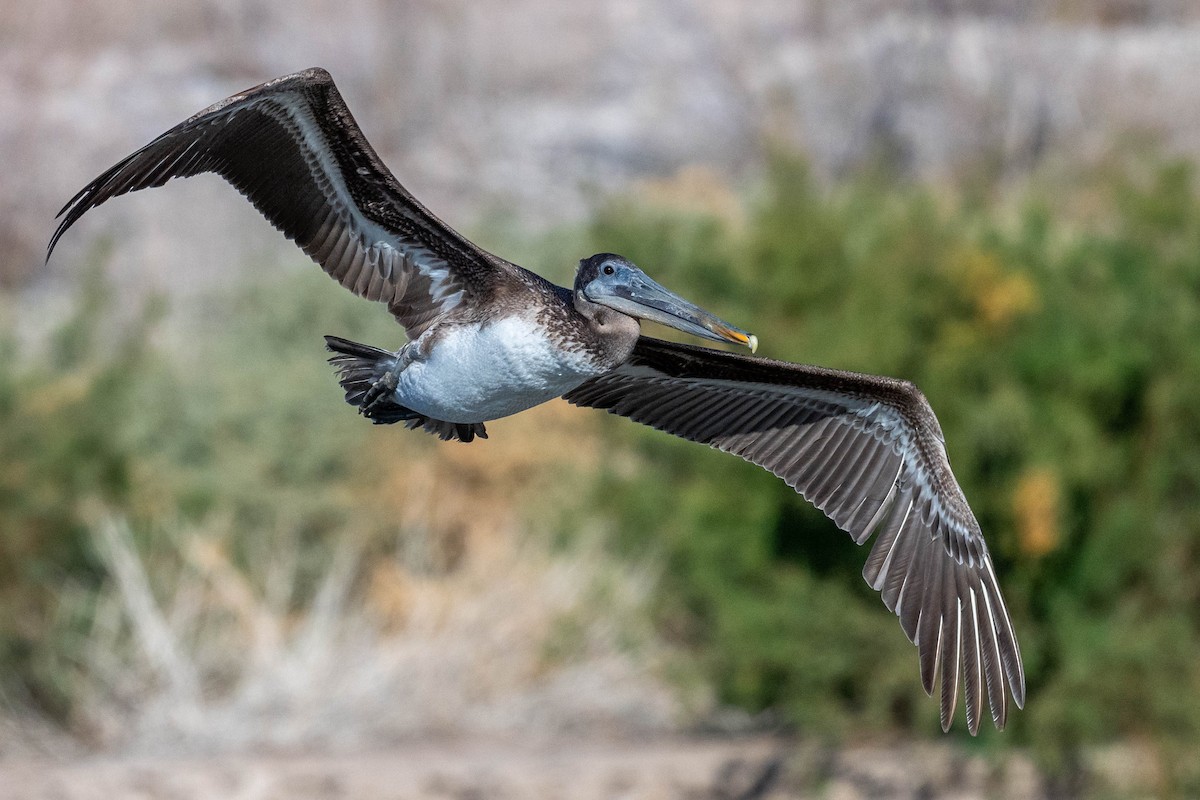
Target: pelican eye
[(608, 269)]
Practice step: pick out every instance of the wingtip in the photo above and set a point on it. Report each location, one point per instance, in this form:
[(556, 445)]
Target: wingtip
[(53, 243), (62, 226), (927, 679)]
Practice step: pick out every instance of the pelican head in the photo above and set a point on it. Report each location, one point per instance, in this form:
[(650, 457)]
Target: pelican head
[(614, 281)]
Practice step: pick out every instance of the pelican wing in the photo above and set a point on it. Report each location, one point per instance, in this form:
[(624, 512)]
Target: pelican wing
[(869, 453), (293, 149)]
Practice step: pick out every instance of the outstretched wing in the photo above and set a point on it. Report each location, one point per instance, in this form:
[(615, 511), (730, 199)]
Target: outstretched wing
[(293, 149), (868, 452)]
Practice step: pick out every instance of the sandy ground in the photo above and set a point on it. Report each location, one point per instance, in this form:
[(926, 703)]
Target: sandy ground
[(675, 768), (459, 770)]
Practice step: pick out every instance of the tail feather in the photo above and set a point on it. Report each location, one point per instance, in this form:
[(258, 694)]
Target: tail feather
[(359, 366)]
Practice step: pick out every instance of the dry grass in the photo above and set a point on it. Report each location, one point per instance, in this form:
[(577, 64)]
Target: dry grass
[(189, 652)]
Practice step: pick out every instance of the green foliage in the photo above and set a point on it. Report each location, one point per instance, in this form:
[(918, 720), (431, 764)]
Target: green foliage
[(1062, 360)]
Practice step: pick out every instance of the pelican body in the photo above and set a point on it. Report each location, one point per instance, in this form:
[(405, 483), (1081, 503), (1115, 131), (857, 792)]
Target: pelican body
[(533, 346), (487, 338)]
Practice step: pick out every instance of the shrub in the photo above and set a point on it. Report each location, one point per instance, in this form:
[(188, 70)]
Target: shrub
[(1060, 354)]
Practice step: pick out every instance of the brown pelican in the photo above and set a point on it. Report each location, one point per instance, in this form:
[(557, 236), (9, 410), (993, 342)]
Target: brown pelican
[(487, 338)]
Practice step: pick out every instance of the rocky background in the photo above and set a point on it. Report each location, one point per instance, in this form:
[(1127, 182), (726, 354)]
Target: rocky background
[(530, 112)]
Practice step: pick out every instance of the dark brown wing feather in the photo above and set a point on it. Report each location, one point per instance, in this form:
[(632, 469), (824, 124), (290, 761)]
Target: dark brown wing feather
[(868, 452), (293, 149)]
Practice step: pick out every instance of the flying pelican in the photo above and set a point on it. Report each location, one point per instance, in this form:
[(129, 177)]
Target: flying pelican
[(487, 338)]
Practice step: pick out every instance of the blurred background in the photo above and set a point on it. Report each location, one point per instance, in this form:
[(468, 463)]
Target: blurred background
[(217, 581)]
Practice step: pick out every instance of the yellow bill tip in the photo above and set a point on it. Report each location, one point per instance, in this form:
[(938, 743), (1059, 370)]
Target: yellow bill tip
[(734, 335)]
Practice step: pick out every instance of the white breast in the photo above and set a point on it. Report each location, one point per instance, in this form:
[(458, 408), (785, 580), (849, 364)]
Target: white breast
[(475, 374)]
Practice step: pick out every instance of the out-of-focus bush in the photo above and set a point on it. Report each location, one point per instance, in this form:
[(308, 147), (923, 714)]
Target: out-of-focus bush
[(1061, 350), (98, 423), (67, 444)]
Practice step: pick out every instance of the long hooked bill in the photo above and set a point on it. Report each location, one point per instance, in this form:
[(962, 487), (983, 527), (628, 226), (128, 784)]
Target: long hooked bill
[(640, 296)]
